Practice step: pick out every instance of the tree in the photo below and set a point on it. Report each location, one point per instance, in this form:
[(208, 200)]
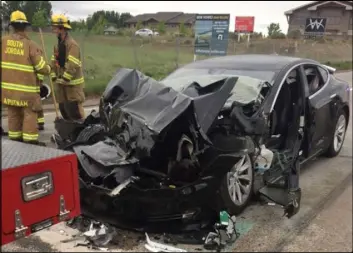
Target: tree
[(31, 7), (40, 19), (111, 17), (256, 35), (10, 6), (28, 7), (47, 8), (89, 22), (99, 27), (161, 27), (139, 25), (274, 31), (182, 29), (123, 18), (79, 25)]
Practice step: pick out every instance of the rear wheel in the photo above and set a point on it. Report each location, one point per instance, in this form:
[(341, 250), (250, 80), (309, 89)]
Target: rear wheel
[(338, 135), (237, 186)]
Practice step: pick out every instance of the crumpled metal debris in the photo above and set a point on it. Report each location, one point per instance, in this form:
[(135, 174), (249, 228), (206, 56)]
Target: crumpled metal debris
[(159, 247), (225, 233), (97, 236)]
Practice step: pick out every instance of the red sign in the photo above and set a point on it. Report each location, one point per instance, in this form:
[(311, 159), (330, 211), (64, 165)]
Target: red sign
[(244, 24)]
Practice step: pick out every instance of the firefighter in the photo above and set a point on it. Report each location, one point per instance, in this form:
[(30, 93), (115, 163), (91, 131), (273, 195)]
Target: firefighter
[(21, 61), (67, 71)]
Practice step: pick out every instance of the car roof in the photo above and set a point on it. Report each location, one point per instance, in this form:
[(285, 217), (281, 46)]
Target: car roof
[(245, 62)]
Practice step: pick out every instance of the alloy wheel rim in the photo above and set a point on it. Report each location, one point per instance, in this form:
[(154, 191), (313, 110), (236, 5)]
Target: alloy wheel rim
[(239, 180), (340, 132)]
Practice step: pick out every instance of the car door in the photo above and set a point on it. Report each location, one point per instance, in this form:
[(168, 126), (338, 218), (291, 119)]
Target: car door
[(319, 105), (282, 179)]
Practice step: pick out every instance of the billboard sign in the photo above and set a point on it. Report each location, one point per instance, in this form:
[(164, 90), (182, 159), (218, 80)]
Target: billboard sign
[(315, 26), (211, 34), (244, 24)]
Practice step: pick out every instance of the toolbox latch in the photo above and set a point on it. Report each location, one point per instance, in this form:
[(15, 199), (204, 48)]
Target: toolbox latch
[(64, 214), (20, 230)]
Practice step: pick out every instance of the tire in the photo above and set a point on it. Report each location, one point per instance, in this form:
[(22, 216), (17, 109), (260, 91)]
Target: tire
[(232, 206), (334, 150)]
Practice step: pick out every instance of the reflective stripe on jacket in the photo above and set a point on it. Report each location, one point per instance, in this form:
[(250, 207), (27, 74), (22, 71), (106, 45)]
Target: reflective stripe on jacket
[(21, 61)]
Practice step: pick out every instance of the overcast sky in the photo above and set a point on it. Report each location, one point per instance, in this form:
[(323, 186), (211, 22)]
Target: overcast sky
[(265, 12)]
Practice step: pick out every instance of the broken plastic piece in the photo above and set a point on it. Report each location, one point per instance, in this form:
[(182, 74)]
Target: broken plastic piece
[(212, 241), (159, 247), (99, 234), (224, 218), (121, 186)]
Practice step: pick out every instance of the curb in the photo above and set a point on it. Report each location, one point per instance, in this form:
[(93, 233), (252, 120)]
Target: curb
[(50, 107)]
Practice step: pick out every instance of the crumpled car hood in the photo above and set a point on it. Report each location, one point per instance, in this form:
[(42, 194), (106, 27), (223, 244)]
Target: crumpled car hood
[(156, 105)]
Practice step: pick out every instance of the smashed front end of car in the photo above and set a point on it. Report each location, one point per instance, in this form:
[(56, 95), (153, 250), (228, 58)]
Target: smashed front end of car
[(145, 156), (153, 156)]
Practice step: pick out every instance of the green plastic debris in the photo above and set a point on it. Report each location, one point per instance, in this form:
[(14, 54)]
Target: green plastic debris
[(224, 218)]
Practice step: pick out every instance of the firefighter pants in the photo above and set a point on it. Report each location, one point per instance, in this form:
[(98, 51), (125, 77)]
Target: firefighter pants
[(22, 122), (40, 119), (72, 110)]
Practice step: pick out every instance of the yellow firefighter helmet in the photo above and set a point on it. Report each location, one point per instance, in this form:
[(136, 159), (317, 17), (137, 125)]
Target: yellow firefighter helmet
[(18, 17), (60, 20)]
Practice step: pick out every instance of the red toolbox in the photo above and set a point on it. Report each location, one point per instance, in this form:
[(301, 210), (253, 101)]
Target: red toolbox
[(39, 188)]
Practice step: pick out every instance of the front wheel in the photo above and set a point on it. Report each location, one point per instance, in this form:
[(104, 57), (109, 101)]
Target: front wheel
[(338, 135), (237, 186)]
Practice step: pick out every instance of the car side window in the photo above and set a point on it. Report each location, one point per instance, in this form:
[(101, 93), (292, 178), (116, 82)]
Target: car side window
[(324, 74), (314, 78)]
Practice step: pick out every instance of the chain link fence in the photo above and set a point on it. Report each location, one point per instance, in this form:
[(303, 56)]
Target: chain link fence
[(160, 55)]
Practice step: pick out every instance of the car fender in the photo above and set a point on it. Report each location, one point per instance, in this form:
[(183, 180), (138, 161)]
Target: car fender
[(330, 69)]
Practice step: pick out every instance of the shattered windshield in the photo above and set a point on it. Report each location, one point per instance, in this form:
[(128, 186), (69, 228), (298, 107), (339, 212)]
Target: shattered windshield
[(265, 75), (246, 90)]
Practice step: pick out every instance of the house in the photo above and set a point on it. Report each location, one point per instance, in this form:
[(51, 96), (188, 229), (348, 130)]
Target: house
[(338, 16), (111, 30), (172, 20)]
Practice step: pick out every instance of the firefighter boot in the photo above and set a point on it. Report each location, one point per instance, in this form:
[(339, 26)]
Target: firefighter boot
[(38, 143), (40, 120)]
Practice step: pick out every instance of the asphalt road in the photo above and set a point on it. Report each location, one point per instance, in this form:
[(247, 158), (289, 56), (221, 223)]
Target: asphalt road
[(324, 222)]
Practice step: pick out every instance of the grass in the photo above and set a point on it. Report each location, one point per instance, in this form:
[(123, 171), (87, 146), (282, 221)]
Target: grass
[(103, 55), (102, 58), (343, 65)]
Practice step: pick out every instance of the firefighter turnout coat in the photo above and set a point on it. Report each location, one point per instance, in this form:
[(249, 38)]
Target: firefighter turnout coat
[(66, 65), (21, 61)]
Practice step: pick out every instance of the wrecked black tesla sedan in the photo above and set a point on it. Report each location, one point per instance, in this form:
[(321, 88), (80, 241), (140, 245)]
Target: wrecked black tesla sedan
[(186, 147)]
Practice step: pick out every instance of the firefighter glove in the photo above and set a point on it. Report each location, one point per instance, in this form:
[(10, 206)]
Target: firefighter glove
[(61, 81)]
